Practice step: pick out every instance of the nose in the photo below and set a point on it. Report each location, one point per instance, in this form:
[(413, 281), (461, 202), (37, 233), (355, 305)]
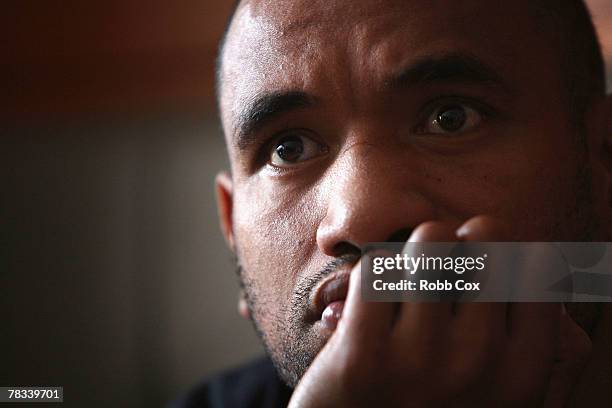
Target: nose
[(374, 195)]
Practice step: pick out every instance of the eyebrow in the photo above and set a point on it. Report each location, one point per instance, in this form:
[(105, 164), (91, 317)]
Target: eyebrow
[(264, 109), (449, 68)]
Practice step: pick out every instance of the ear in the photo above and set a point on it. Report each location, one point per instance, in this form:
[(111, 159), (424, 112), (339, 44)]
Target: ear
[(243, 307), (225, 201)]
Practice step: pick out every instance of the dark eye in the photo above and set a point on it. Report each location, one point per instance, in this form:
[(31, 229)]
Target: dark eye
[(452, 118), (293, 149)]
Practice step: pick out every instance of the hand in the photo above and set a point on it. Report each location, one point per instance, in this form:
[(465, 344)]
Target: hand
[(444, 354)]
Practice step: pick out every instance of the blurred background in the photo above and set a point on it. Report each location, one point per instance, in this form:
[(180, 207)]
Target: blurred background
[(115, 282)]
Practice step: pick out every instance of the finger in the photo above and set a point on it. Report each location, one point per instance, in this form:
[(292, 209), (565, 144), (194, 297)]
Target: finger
[(475, 316), (435, 231), (534, 329), (359, 318), (484, 228), (572, 354), (484, 320), (530, 351), (424, 319)]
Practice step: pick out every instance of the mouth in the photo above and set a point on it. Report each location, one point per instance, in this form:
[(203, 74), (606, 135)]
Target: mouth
[(329, 298)]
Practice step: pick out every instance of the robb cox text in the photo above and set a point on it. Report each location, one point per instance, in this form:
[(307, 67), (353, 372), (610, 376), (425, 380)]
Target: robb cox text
[(425, 285)]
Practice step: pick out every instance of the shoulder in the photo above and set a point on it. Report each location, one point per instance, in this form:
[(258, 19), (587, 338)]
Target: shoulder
[(255, 385)]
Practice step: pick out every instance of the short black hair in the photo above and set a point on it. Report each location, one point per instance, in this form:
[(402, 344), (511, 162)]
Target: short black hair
[(569, 21)]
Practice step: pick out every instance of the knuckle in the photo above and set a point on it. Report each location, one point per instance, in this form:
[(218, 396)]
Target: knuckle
[(432, 231)]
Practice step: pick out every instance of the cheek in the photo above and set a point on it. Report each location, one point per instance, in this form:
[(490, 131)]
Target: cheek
[(275, 232), (530, 185)]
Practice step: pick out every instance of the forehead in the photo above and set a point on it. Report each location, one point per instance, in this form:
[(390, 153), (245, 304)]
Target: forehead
[(275, 45)]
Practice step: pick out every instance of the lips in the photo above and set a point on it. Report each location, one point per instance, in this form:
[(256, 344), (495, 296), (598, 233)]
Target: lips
[(329, 299)]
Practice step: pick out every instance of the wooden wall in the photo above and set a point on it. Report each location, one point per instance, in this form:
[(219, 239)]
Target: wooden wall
[(70, 58), (66, 58)]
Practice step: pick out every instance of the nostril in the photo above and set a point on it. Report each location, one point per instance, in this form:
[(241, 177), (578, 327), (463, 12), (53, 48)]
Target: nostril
[(345, 248), (401, 235)]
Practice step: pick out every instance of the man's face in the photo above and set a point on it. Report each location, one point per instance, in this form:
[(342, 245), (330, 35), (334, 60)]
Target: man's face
[(355, 121)]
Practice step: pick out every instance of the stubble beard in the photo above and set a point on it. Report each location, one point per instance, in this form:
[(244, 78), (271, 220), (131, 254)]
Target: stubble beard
[(291, 344), (292, 341)]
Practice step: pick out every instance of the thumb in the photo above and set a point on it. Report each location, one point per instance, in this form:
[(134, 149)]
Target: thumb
[(362, 325)]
